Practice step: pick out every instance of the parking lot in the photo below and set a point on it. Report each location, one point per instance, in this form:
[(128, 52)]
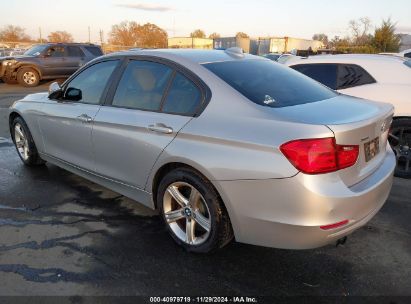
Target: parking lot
[(63, 235)]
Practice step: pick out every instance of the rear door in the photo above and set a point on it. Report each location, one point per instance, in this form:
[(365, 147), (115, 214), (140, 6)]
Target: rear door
[(75, 59), (151, 103), (66, 124)]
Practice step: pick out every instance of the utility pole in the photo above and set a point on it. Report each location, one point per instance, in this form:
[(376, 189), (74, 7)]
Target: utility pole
[(89, 39), (102, 39), (41, 39)]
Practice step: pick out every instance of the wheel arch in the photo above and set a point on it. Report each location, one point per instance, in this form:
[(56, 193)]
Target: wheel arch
[(29, 65), (164, 169), (12, 116)]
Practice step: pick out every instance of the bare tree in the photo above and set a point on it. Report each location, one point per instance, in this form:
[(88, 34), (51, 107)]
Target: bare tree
[(13, 34), (152, 36), (321, 37), (60, 36), (125, 33), (359, 30), (241, 35), (130, 33), (214, 35), (198, 34)]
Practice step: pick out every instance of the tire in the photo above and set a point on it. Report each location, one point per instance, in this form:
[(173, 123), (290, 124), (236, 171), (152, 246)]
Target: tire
[(30, 156), (28, 77), (206, 209), (400, 141), (9, 80)]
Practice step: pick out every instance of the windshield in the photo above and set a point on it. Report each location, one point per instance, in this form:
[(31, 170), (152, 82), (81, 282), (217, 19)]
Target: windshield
[(407, 63), (35, 50), (270, 84)]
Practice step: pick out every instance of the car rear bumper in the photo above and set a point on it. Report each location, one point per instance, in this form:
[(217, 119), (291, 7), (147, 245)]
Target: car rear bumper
[(288, 213)]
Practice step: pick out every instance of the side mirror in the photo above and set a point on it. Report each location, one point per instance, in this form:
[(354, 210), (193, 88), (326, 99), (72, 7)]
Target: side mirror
[(55, 90), (73, 94)]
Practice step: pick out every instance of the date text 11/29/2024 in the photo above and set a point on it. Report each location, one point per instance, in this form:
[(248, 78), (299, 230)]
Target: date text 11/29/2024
[(203, 299)]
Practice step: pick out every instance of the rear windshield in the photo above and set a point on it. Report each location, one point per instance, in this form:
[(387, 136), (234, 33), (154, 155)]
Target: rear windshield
[(96, 51), (270, 84)]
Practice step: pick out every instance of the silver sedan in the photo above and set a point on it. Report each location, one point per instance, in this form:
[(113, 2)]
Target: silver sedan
[(225, 145)]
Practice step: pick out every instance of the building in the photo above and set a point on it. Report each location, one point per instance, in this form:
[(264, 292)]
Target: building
[(227, 42), (405, 42), (287, 44), (190, 43)]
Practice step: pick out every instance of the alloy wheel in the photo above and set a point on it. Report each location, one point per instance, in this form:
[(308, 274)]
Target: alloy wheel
[(400, 141), (29, 78), (21, 141), (186, 213)]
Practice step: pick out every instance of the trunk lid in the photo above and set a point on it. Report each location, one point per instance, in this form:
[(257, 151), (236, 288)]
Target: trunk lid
[(354, 122)]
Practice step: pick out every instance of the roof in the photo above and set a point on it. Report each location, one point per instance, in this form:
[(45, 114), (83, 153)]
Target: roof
[(347, 58), (193, 55)]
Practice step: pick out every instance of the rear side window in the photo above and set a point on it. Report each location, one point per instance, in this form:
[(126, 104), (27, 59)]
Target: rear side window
[(323, 73), (407, 55), (268, 83), (142, 85), (183, 96), (96, 51), (74, 51), (352, 75)]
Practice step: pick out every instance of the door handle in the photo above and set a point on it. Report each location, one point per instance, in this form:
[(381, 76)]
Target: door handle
[(160, 128), (85, 118)]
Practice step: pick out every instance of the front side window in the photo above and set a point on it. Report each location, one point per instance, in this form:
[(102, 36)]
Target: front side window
[(407, 55), (183, 97), (56, 51), (324, 73), (351, 75), (88, 86), (142, 85), (268, 83)]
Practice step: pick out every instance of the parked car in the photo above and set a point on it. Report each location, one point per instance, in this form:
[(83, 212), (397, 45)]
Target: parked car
[(222, 143), (46, 61), (272, 56), (405, 53), (375, 77), (285, 57)]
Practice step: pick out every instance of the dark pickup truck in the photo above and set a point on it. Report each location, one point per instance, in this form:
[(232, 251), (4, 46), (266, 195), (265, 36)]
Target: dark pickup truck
[(46, 61)]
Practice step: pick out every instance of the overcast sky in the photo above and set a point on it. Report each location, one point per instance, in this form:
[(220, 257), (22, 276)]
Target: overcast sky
[(296, 18)]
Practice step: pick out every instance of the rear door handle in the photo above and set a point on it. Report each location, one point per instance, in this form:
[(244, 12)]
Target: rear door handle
[(85, 118), (160, 128)]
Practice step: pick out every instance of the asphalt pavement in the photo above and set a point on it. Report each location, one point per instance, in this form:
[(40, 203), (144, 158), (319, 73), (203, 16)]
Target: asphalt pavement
[(63, 235)]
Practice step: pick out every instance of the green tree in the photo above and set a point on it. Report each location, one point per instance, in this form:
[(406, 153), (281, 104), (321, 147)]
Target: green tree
[(385, 39), (198, 34)]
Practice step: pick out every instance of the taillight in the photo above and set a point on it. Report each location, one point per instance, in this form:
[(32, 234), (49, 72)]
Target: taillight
[(320, 155)]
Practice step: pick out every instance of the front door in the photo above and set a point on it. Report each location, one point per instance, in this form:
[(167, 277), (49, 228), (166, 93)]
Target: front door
[(150, 106), (67, 123)]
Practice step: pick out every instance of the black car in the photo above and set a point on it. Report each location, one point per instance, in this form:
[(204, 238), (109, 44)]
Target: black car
[(46, 61)]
